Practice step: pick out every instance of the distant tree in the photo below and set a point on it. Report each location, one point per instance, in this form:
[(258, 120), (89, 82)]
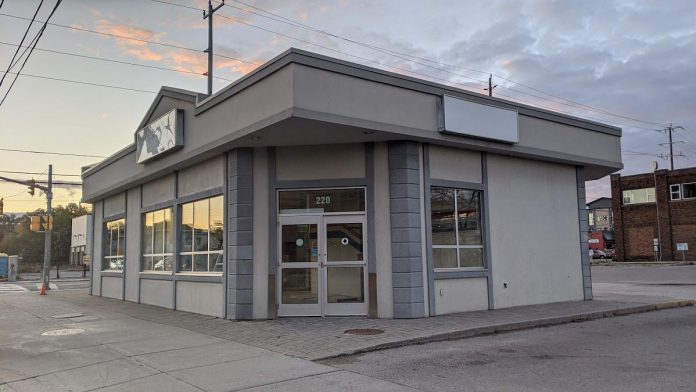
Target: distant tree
[(18, 239)]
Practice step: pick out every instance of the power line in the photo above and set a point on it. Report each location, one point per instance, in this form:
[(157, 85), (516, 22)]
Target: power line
[(31, 22), (51, 153), (282, 19), (31, 50), (175, 46), (40, 174), (88, 83), (118, 61)]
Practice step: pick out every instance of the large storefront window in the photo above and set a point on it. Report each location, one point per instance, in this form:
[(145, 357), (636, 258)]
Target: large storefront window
[(456, 228), (202, 236), (114, 245), (158, 240)]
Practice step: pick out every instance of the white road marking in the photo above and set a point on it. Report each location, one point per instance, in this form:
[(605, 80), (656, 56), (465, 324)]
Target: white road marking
[(9, 287)]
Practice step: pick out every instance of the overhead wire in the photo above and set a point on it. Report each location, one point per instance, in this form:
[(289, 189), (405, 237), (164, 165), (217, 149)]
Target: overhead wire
[(88, 83), (26, 32), (401, 55), (118, 61), (31, 50), (169, 45), (51, 153), (37, 173)]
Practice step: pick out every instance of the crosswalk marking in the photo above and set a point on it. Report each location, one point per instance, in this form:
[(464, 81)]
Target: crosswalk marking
[(8, 287)]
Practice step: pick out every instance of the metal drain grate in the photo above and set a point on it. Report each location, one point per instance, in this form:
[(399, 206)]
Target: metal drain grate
[(363, 331)]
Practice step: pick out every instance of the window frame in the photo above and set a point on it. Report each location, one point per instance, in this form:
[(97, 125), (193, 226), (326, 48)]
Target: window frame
[(672, 192), (647, 196), (107, 244), (458, 246), (178, 246), (681, 187), (171, 254)]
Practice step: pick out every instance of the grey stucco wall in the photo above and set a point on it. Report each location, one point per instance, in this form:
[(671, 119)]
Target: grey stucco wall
[(405, 220), (159, 191), (98, 248), (584, 235), (115, 204), (204, 176), (240, 207), (133, 244)]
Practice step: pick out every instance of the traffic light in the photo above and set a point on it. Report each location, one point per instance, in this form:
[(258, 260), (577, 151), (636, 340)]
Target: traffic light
[(32, 187), (41, 223), (35, 223)]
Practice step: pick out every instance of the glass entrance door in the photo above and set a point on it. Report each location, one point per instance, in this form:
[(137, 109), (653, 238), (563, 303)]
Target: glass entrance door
[(299, 274), (344, 265), (322, 269)]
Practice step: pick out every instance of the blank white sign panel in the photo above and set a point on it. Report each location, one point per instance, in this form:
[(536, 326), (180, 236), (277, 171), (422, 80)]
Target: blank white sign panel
[(468, 118)]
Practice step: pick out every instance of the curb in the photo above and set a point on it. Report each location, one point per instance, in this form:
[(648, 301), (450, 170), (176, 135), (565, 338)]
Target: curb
[(516, 326)]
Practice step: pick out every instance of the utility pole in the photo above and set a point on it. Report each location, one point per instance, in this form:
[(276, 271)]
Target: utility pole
[(490, 85), (209, 16), (47, 235), (32, 185), (671, 144)]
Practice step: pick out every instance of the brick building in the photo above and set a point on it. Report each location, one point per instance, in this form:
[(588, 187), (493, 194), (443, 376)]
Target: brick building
[(642, 201)]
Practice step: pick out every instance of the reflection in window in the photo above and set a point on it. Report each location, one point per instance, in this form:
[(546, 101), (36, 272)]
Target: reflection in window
[(202, 236), (115, 243), (158, 240), (636, 196), (456, 228)]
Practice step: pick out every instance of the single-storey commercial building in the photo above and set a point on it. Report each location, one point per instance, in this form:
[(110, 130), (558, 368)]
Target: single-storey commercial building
[(318, 187)]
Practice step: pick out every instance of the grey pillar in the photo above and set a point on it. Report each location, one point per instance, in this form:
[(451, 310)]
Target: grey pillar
[(240, 261), (584, 234), (407, 262)]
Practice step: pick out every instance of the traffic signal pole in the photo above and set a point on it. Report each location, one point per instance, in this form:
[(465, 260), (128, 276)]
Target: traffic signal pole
[(47, 235), (32, 185)]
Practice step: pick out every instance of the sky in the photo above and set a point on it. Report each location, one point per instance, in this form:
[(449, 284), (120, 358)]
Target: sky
[(621, 62)]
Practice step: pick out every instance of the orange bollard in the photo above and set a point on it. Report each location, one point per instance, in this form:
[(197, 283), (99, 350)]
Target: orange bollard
[(43, 289)]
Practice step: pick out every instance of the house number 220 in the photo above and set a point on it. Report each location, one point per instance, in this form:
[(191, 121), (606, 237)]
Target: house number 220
[(321, 200)]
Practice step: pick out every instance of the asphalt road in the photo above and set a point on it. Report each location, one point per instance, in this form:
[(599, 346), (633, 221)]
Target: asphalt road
[(634, 281), (645, 352)]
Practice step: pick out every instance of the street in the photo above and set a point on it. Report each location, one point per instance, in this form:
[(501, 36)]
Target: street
[(645, 352), (637, 281), (70, 341)]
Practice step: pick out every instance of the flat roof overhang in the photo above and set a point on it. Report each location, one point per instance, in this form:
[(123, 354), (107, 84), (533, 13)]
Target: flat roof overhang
[(301, 98)]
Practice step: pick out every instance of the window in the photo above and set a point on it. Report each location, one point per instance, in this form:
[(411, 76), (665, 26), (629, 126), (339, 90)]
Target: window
[(202, 236), (115, 242), (636, 196), (158, 240), (456, 228), (675, 192), (689, 190), (321, 201)]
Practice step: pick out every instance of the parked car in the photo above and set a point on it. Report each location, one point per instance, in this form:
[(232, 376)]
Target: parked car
[(598, 254)]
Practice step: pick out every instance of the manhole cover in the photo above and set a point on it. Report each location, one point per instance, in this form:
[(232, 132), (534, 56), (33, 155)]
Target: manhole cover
[(364, 331), (67, 315), (63, 332)]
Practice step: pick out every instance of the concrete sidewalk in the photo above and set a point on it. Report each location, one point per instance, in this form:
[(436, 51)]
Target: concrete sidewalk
[(321, 338), (55, 343)]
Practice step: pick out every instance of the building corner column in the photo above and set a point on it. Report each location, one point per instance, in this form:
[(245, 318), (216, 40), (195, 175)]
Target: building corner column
[(240, 268), (617, 213), (584, 227), (405, 210)]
